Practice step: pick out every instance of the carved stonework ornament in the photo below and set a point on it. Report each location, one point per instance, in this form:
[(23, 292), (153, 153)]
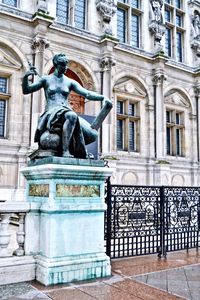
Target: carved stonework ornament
[(159, 78), (42, 6), (107, 9), (107, 63), (156, 25), (195, 32), (177, 99), (130, 87), (39, 44)]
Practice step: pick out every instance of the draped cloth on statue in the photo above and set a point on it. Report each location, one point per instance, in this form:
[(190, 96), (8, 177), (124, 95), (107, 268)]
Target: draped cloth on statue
[(53, 120)]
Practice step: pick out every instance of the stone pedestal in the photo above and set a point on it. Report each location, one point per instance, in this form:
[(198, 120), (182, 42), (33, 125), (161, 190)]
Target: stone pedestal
[(67, 219)]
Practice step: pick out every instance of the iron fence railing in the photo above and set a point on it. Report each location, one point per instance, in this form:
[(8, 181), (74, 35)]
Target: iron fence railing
[(151, 219)]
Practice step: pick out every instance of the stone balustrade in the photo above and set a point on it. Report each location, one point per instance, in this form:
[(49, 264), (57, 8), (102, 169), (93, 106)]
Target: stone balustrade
[(15, 265), (7, 209)]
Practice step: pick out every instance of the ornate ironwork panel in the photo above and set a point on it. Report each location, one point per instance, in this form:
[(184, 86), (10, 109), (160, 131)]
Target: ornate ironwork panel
[(181, 217), (134, 220), (145, 220)]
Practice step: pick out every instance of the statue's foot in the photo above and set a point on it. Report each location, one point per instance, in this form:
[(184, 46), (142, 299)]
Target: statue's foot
[(67, 154), (90, 155)]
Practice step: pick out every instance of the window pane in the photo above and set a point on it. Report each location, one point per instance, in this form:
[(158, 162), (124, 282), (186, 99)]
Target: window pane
[(121, 25), (168, 116), (178, 20), (62, 11), (179, 46), (135, 3), (178, 3), (135, 31), (168, 140), (168, 1), (177, 118), (10, 2), (2, 117), (132, 144), (119, 134), (167, 15), (178, 142), (131, 109), (3, 85), (168, 42), (80, 14), (120, 107)]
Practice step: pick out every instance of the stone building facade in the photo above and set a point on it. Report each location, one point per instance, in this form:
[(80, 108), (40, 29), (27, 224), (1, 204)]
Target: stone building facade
[(142, 54)]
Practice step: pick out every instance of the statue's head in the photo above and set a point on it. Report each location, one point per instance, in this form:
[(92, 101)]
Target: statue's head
[(60, 58), (60, 62)]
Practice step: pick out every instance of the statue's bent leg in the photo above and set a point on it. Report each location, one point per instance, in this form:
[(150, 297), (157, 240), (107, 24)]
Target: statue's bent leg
[(68, 129), (90, 135)]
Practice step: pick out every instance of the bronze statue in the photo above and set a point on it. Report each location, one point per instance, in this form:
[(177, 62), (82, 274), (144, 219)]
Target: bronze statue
[(59, 128)]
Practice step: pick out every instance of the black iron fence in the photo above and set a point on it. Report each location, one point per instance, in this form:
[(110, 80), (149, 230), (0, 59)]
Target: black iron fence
[(145, 219)]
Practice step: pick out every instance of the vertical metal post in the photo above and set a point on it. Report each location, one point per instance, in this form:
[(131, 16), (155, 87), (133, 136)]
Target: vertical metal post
[(162, 250), (108, 218)]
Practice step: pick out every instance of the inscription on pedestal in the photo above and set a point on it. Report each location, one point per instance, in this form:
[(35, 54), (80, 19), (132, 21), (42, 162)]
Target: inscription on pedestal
[(63, 190), (39, 190)]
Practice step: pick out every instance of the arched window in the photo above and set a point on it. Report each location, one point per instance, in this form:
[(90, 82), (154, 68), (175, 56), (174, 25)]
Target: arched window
[(76, 101)]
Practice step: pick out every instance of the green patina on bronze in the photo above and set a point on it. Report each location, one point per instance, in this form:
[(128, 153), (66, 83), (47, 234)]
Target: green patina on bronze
[(60, 130), (39, 190), (64, 190)]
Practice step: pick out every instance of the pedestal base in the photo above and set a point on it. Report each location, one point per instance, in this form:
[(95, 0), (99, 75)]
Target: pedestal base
[(71, 269), (67, 219)]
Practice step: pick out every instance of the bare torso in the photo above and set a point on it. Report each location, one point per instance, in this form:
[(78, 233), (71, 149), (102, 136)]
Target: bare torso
[(57, 90)]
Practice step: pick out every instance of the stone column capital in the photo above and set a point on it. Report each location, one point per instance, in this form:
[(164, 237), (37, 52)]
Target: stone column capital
[(159, 77), (197, 90), (107, 63), (39, 44)]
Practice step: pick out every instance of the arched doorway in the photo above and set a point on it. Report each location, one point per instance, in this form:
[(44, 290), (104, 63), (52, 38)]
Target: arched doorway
[(76, 101)]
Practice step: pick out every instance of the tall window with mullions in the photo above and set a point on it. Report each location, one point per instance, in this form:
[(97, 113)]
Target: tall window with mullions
[(62, 11), (179, 42), (3, 90), (80, 10), (135, 30), (10, 2), (121, 25), (2, 117), (168, 39)]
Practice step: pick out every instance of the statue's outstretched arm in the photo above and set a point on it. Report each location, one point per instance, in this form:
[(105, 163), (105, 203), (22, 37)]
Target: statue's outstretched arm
[(76, 87), (31, 88), (107, 103)]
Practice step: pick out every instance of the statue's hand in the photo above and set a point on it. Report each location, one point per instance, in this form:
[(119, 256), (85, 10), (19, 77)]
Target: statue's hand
[(30, 72), (107, 102)]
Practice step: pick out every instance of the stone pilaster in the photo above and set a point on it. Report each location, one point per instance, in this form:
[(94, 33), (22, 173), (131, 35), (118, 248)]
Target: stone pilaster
[(107, 64), (158, 80), (197, 97)]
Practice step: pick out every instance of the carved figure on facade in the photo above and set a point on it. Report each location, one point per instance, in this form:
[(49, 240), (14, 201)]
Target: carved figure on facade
[(195, 32), (107, 9), (42, 6), (156, 25), (60, 130)]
